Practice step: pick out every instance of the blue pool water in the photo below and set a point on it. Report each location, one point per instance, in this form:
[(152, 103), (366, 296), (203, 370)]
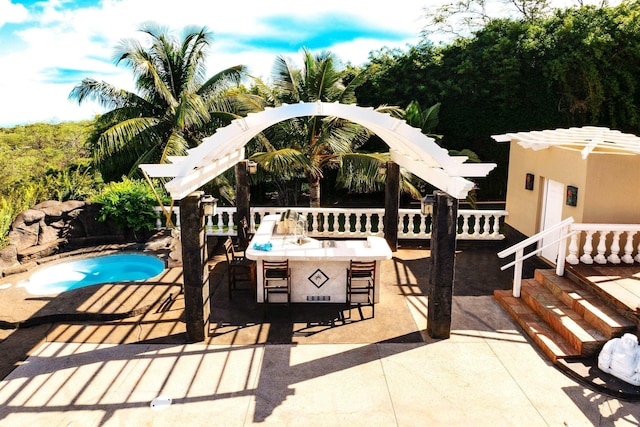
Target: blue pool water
[(90, 271)]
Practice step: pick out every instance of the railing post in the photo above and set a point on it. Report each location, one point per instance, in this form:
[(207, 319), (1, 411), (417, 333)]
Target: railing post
[(517, 274), (392, 205), (562, 252)]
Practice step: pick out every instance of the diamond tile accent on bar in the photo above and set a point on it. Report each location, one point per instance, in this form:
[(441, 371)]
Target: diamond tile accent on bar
[(318, 278)]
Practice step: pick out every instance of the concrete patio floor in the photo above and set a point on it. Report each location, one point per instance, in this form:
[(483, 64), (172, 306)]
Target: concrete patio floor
[(284, 370)]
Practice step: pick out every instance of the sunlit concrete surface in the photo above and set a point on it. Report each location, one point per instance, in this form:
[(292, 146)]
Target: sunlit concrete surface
[(487, 374)]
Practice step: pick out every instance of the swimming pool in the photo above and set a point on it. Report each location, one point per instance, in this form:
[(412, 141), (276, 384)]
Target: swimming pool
[(69, 275)]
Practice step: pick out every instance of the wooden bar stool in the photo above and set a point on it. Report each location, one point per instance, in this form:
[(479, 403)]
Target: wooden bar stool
[(276, 279), (361, 286), (239, 269)]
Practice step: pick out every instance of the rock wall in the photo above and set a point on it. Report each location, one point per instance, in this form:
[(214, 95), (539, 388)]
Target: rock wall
[(51, 227)]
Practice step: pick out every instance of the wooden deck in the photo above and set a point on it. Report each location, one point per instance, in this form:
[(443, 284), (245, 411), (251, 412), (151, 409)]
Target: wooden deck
[(617, 284)]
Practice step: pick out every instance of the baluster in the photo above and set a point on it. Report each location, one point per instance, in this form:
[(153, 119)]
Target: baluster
[(231, 224), (427, 233), (347, 223), (572, 258), (158, 212), (615, 248), (602, 248), (485, 227), (380, 224), (356, 223), (260, 215), (587, 248), (345, 226), (325, 224), (495, 233), (401, 225), (367, 226), (412, 224), (177, 212), (220, 221), (627, 258), (209, 224), (314, 224), (465, 225)]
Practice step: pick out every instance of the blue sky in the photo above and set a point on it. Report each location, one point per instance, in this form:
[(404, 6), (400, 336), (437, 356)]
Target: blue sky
[(48, 46)]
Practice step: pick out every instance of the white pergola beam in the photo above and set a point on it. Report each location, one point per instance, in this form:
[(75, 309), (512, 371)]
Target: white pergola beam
[(225, 148)]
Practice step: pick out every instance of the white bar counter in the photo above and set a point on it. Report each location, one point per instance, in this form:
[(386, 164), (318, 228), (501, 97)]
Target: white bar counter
[(318, 267)]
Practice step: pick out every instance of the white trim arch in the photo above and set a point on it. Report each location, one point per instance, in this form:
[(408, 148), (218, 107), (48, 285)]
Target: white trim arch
[(408, 147)]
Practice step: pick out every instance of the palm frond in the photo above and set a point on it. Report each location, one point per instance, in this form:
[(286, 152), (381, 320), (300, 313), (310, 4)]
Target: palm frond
[(120, 136), (175, 145), (348, 95), (105, 94), (359, 172), (286, 161), (285, 76), (222, 80)]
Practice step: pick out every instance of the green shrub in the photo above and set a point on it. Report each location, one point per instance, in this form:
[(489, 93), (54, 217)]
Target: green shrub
[(128, 204)]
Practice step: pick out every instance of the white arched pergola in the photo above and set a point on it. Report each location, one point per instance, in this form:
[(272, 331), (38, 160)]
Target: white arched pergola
[(408, 147)]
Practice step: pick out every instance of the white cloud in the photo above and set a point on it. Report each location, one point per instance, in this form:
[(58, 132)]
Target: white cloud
[(84, 40), (14, 13)]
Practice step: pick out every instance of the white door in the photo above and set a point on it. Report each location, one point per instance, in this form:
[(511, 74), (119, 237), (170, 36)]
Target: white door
[(551, 215)]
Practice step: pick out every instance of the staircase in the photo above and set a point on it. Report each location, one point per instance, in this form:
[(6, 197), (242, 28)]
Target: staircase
[(564, 319)]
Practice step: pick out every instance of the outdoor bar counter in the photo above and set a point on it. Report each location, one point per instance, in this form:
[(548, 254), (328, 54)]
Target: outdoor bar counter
[(318, 267)]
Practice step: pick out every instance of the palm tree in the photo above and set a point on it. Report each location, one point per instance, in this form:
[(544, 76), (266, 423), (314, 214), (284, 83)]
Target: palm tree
[(308, 145), (174, 108)]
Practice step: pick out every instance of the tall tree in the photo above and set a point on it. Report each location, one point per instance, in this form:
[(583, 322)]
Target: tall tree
[(307, 145), (175, 105)]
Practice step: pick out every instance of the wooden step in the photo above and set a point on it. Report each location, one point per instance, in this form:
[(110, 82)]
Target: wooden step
[(586, 303), (552, 344), (586, 339)]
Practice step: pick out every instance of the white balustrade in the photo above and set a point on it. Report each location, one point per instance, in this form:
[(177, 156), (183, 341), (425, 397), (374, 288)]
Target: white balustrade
[(356, 222), (612, 238)]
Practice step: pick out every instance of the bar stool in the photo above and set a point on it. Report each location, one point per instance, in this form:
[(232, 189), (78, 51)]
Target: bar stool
[(361, 286), (276, 279), (239, 268)]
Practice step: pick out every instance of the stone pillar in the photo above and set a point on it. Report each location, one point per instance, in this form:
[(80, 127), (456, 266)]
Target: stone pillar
[(243, 195), (196, 289), (391, 205), (441, 277)]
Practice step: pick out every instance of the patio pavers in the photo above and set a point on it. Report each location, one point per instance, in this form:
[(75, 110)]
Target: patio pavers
[(487, 373)]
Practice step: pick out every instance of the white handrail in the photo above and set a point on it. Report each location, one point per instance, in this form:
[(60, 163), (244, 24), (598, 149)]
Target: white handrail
[(518, 250), (535, 238)]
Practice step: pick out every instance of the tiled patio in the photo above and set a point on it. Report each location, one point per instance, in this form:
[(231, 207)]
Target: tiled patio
[(304, 369)]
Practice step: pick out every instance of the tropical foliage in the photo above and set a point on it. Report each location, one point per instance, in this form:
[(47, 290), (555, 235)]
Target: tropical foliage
[(43, 162), (129, 204), (570, 67), (308, 146), (174, 108), (574, 67)]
